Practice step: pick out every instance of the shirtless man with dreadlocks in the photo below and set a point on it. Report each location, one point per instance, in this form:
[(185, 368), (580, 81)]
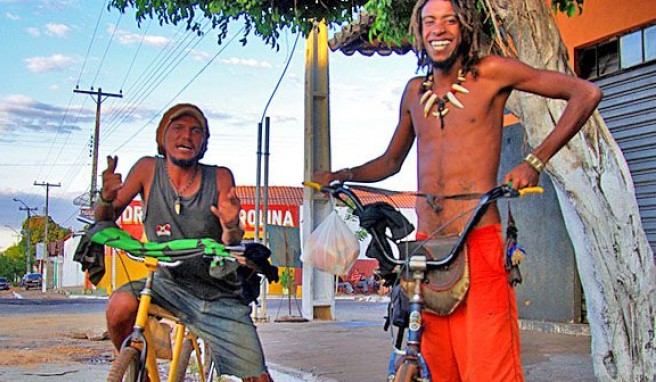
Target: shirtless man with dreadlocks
[(456, 115)]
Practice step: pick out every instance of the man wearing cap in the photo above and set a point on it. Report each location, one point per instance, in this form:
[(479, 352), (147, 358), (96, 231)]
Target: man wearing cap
[(184, 199)]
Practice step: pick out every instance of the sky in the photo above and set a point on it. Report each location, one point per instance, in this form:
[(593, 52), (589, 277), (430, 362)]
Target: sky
[(55, 46)]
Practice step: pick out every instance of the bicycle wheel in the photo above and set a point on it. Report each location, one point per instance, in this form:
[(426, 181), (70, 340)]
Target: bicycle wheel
[(185, 356), (125, 366), (407, 372)]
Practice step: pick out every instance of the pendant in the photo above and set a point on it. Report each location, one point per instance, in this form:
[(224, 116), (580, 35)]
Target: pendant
[(177, 205)]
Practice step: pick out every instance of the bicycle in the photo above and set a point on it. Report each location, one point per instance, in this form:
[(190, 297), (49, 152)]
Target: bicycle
[(137, 356), (409, 365)]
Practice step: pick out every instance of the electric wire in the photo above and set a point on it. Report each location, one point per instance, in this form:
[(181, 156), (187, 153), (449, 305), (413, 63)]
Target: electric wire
[(93, 37), (181, 45), (76, 169), (109, 43), (143, 37), (183, 89), (282, 75), (169, 68), (151, 73)]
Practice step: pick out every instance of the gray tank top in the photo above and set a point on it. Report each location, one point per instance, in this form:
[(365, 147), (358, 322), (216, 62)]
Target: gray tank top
[(195, 221)]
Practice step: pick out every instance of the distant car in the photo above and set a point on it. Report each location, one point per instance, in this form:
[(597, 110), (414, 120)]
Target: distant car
[(4, 284), (32, 280)]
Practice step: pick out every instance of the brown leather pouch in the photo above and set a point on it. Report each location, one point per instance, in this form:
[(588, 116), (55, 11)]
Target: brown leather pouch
[(444, 287)]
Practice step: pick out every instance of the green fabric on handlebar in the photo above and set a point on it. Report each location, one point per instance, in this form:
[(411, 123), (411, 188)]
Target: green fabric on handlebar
[(107, 233)]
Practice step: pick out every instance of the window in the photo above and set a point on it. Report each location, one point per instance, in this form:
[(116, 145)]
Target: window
[(608, 58), (631, 49), (620, 52), (650, 43)]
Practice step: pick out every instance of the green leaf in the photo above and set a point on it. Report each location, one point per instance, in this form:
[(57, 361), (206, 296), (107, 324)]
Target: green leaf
[(571, 10)]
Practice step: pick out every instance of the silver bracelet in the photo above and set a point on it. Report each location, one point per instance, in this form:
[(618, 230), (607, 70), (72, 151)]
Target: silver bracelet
[(349, 173)]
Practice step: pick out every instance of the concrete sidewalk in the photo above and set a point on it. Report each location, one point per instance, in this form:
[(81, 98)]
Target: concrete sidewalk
[(355, 347)]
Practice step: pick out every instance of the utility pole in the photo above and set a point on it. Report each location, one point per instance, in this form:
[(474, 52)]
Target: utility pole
[(94, 162), (28, 232), (44, 264)]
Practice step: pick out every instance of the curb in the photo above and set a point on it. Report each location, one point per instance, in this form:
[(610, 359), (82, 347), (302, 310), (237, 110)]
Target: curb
[(555, 327)]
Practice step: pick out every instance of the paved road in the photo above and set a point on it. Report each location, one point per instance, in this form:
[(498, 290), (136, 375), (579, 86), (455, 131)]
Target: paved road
[(57, 306), (353, 348)]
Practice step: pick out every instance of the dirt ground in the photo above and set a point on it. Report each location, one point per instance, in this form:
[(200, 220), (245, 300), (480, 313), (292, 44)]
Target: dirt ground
[(34, 339)]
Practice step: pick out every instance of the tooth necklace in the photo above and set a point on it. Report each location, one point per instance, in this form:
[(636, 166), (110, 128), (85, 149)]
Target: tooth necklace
[(430, 98), (177, 204)]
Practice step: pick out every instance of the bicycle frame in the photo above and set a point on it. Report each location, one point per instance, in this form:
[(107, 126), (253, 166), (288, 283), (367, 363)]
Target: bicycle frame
[(136, 355), (401, 365), (141, 338)]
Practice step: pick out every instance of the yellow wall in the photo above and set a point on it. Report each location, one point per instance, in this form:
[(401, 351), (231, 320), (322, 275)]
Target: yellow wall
[(124, 268), (603, 19)]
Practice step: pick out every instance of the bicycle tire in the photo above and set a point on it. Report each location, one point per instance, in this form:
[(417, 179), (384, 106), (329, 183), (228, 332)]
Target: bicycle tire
[(407, 372), (185, 356), (126, 366)]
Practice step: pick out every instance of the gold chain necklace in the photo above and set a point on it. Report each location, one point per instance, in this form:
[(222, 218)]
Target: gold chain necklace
[(177, 202), (430, 98)]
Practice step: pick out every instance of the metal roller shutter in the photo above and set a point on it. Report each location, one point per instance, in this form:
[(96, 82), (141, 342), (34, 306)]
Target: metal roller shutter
[(629, 110)]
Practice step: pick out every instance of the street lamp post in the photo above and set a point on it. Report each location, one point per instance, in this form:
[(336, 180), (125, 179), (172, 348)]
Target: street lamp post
[(19, 234), (28, 232)]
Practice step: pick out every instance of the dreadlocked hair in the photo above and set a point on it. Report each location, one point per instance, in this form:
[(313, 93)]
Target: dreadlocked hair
[(476, 43)]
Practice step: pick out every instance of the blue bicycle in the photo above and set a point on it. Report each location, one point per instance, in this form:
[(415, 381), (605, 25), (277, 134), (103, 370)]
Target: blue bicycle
[(414, 261)]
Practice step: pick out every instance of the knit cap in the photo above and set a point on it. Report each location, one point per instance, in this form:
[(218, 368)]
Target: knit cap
[(178, 111)]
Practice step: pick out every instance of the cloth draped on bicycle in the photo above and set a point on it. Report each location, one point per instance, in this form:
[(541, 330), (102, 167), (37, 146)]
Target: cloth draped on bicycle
[(379, 217), (90, 252)]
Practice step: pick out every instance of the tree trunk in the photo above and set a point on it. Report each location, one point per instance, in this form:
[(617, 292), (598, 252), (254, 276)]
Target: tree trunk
[(596, 193)]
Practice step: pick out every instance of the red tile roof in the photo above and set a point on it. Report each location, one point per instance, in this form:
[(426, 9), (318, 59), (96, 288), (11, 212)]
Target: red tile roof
[(354, 37), (293, 196)]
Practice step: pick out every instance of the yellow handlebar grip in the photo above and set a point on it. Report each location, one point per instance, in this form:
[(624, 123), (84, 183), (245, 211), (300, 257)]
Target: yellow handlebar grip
[(531, 190), (314, 185)]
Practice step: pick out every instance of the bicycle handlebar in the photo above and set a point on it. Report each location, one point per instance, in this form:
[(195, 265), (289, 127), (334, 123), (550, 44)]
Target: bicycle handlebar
[(530, 190), (337, 189)]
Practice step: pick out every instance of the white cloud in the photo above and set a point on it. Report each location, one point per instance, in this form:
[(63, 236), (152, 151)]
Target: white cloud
[(33, 31), (199, 55), (58, 30), (12, 16), (49, 64), (125, 37), (248, 62)]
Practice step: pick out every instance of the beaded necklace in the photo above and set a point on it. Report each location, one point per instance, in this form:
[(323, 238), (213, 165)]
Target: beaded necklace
[(177, 202), (430, 98)]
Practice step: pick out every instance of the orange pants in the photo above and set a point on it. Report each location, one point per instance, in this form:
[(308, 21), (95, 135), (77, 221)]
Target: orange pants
[(479, 341)]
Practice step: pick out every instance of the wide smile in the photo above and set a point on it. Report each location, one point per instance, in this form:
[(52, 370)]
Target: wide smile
[(439, 45)]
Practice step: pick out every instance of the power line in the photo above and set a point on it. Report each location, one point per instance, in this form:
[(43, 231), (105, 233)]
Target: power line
[(93, 37), (143, 36), (109, 43), (282, 75), (183, 89)]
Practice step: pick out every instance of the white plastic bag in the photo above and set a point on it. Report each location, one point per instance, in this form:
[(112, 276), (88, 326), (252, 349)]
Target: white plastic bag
[(332, 247)]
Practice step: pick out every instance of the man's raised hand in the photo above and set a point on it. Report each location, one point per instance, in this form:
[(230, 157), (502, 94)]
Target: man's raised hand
[(112, 181), (228, 208)]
